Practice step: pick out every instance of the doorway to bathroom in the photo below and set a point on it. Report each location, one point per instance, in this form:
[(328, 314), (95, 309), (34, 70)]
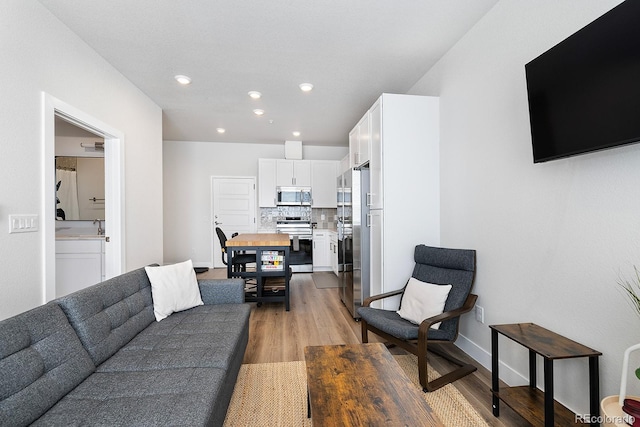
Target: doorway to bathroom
[(106, 141)]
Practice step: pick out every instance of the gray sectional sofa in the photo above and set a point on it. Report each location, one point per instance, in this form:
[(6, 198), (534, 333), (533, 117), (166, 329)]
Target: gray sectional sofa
[(98, 357)]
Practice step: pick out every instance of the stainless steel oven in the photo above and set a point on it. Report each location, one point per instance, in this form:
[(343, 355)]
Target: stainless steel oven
[(301, 242)]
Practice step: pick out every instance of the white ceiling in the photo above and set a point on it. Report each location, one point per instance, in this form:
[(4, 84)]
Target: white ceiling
[(351, 50)]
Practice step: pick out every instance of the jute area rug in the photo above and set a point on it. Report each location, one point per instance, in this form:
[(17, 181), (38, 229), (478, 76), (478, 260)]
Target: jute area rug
[(275, 394)]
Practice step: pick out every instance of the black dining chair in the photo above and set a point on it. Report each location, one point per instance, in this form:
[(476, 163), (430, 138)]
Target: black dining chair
[(240, 260)]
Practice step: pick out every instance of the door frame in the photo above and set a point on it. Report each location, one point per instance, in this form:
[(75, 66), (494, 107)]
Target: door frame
[(114, 189), (214, 236)]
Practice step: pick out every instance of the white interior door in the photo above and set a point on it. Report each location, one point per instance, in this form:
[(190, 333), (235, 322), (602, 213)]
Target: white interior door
[(233, 202)]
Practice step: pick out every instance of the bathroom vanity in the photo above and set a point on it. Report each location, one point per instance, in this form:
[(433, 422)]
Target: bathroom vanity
[(79, 262)]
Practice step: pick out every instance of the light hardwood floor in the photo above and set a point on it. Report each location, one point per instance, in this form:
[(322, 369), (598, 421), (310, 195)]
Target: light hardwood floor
[(318, 317)]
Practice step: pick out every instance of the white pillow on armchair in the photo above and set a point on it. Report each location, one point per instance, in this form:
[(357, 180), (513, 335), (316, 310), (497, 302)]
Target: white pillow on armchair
[(422, 300)]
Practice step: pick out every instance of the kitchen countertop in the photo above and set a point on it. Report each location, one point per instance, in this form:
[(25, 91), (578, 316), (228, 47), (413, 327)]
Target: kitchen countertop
[(79, 237), (272, 230), (78, 233)]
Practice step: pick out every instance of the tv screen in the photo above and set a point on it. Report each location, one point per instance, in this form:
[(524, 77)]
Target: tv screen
[(584, 93)]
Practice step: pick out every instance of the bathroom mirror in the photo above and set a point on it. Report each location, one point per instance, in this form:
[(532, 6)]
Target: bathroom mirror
[(79, 188)]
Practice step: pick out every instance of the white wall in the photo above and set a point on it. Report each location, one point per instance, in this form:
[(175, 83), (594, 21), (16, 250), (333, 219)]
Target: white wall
[(552, 238), (39, 54), (188, 168)]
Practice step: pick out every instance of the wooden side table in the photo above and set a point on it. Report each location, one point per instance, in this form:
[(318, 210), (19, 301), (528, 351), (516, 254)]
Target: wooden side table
[(529, 401)]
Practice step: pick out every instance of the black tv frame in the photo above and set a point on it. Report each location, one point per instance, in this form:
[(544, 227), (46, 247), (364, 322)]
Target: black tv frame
[(584, 93)]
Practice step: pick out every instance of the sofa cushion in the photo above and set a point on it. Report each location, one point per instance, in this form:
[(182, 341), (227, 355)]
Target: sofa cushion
[(108, 315), (172, 397), (222, 291), (208, 336), (41, 360)]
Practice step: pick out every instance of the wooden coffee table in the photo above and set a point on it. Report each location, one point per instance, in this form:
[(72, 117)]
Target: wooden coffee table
[(362, 385)]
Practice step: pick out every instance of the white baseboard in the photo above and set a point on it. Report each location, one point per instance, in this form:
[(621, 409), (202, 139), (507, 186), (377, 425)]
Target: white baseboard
[(482, 356), (203, 264)]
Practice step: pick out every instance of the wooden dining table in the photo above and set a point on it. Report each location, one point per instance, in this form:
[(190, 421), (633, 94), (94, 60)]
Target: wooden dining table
[(272, 273)]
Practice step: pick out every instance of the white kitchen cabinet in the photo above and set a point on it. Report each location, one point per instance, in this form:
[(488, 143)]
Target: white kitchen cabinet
[(353, 146), (79, 264), (267, 183), (376, 244), (333, 251), (404, 195), (293, 173), (359, 142), (345, 165), (320, 175), (321, 258), (324, 183), (374, 198)]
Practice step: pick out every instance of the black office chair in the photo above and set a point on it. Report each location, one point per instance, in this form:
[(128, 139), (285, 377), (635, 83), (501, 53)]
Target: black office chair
[(240, 260)]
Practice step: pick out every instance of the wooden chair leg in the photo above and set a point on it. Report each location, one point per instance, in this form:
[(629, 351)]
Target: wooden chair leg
[(463, 370), (422, 367), (421, 350), (365, 332)]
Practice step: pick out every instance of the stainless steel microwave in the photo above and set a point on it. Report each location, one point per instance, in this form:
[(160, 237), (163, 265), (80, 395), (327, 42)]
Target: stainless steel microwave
[(293, 196)]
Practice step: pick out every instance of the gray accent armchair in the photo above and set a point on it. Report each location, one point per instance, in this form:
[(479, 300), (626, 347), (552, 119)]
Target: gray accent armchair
[(455, 267)]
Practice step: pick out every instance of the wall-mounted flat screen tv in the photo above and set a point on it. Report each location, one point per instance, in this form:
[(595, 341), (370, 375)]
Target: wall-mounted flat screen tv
[(584, 93)]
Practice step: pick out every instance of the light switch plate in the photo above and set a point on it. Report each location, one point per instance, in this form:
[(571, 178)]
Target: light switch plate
[(23, 223)]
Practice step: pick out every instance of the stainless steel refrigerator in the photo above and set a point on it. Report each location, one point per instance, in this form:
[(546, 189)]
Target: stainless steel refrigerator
[(353, 238)]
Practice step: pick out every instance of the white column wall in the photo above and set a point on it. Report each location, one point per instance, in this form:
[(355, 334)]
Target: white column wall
[(552, 238), (40, 54)]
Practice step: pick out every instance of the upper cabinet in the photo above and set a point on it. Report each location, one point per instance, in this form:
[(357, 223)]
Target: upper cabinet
[(267, 183), (375, 163), (360, 142), (345, 165), (320, 175), (323, 183), (293, 173)]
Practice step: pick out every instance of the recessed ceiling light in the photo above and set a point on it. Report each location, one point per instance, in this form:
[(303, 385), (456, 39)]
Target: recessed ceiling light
[(255, 94), (296, 133), (221, 130), (183, 80), (306, 87), (258, 112)]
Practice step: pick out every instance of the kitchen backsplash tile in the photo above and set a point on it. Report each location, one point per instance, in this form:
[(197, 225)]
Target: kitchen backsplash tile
[(270, 216), (329, 217)]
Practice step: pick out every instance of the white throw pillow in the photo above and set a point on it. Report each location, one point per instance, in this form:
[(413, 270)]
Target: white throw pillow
[(422, 300), (174, 288)]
